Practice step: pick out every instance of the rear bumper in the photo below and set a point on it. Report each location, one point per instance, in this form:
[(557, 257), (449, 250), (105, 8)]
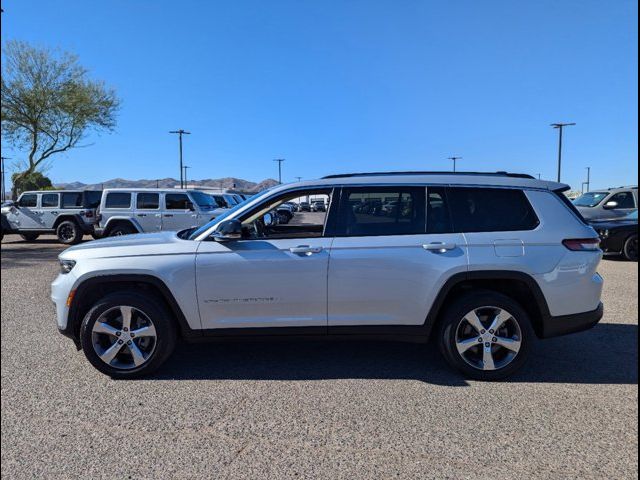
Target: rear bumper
[(564, 325)]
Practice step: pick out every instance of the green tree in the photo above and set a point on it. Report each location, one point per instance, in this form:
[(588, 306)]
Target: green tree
[(49, 104), (31, 181)]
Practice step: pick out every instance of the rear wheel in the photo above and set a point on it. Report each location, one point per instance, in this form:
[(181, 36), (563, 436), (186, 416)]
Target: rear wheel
[(127, 335), (69, 232), (486, 335), (631, 248), (29, 237)]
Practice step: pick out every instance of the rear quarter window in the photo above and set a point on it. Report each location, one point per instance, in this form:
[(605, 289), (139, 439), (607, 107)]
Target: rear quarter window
[(72, 200), (490, 210)]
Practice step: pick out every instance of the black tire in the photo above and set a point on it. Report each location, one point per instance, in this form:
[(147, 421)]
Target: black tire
[(29, 237), (69, 232), (122, 229), (631, 248), (154, 309), (95, 236), (452, 321)]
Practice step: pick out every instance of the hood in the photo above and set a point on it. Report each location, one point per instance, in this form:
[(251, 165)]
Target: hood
[(160, 243)]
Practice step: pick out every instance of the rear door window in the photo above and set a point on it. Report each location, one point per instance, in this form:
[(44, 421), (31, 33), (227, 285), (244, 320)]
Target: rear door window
[(148, 201), (377, 211), (438, 215), (490, 210), (118, 200), (50, 200)]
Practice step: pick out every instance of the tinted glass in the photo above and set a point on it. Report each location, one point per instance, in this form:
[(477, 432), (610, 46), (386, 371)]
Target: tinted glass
[(49, 200), (92, 198), (176, 201), (438, 217), (382, 211), (624, 199), (72, 200), (148, 201), (490, 210), (30, 200), (118, 200)]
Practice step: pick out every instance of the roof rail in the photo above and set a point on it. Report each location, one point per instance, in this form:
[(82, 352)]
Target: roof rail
[(382, 174)]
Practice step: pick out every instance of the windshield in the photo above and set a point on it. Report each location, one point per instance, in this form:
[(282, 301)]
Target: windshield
[(203, 200), (590, 199), (225, 215)]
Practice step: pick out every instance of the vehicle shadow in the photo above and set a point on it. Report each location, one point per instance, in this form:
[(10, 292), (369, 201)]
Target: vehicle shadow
[(608, 354), (25, 255)]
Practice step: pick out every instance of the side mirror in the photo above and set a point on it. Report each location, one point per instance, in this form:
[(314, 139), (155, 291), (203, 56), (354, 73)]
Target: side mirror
[(228, 230), (268, 220), (610, 205)]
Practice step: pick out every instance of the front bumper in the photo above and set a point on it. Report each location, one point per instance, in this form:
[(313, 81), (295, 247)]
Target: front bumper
[(566, 324)]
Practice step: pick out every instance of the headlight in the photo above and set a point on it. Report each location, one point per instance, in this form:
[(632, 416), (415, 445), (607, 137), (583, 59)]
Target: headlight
[(66, 266)]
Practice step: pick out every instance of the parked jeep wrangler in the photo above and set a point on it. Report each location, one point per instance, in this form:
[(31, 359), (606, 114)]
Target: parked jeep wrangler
[(69, 214)]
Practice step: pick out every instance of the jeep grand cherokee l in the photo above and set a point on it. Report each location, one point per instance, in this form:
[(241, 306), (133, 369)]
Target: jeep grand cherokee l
[(483, 262)]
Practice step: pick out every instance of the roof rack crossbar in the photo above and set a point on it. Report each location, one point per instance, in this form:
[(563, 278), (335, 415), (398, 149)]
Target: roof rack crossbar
[(381, 174)]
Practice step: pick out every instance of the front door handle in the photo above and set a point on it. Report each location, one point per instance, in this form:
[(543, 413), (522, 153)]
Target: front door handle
[(142, 214), (168, 215), (439, 247), (305, 250)]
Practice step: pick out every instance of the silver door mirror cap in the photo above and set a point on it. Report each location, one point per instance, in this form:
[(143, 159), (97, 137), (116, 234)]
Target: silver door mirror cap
[(228, 230), (610, 205)]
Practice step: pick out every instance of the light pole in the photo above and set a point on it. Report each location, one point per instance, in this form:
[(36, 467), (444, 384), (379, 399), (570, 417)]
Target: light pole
[(588, 182), (279, 160), (3, 193), (184, 168), (560, 127), (455, 160), (298, 178), (180, 133)]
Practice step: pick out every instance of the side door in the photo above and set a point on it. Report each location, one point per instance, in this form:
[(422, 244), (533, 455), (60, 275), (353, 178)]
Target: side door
[(177, 214), (24, 216), (274, 277), (147, 211), (49, 209), (388, 265)]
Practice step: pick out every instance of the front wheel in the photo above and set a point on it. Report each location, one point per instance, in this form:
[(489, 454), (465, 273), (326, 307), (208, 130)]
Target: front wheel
[(486, 335), (631, 248), (127, 335)]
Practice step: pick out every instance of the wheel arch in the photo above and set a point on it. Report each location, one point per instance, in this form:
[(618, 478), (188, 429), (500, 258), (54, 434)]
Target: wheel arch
[(115, 221), (74, 217), (517, 285), (92, 289)]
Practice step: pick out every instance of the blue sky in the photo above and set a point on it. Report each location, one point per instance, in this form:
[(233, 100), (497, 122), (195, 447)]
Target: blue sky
[(335, 86)]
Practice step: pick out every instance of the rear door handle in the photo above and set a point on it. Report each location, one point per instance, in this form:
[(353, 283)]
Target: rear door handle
[(142, 214), (168, 215), (439, 247), (305, 250)]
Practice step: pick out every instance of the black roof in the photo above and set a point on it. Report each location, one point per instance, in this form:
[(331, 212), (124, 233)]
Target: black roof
[(479, 174)]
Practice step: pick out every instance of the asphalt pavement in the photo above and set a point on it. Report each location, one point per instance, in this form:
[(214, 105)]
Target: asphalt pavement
[(313, 410)]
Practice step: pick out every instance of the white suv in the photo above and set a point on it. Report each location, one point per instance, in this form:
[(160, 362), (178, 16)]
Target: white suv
[(484, 262), (124, 211)]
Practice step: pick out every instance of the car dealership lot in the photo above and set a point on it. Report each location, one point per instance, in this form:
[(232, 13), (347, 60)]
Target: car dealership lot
[(338, 410)]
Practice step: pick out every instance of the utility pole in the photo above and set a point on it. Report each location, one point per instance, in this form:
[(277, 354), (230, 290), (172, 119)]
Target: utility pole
[(180, 133), (4, 192), (455, 160), (279, 160), (184, 168), (560, 127), (539, 176), (588, 182)]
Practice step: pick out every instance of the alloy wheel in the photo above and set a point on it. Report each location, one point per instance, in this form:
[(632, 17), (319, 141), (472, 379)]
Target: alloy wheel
[(124, 337), (488, 338)]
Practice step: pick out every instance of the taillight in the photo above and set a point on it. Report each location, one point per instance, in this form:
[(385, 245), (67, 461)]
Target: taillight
[(582, 244)]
